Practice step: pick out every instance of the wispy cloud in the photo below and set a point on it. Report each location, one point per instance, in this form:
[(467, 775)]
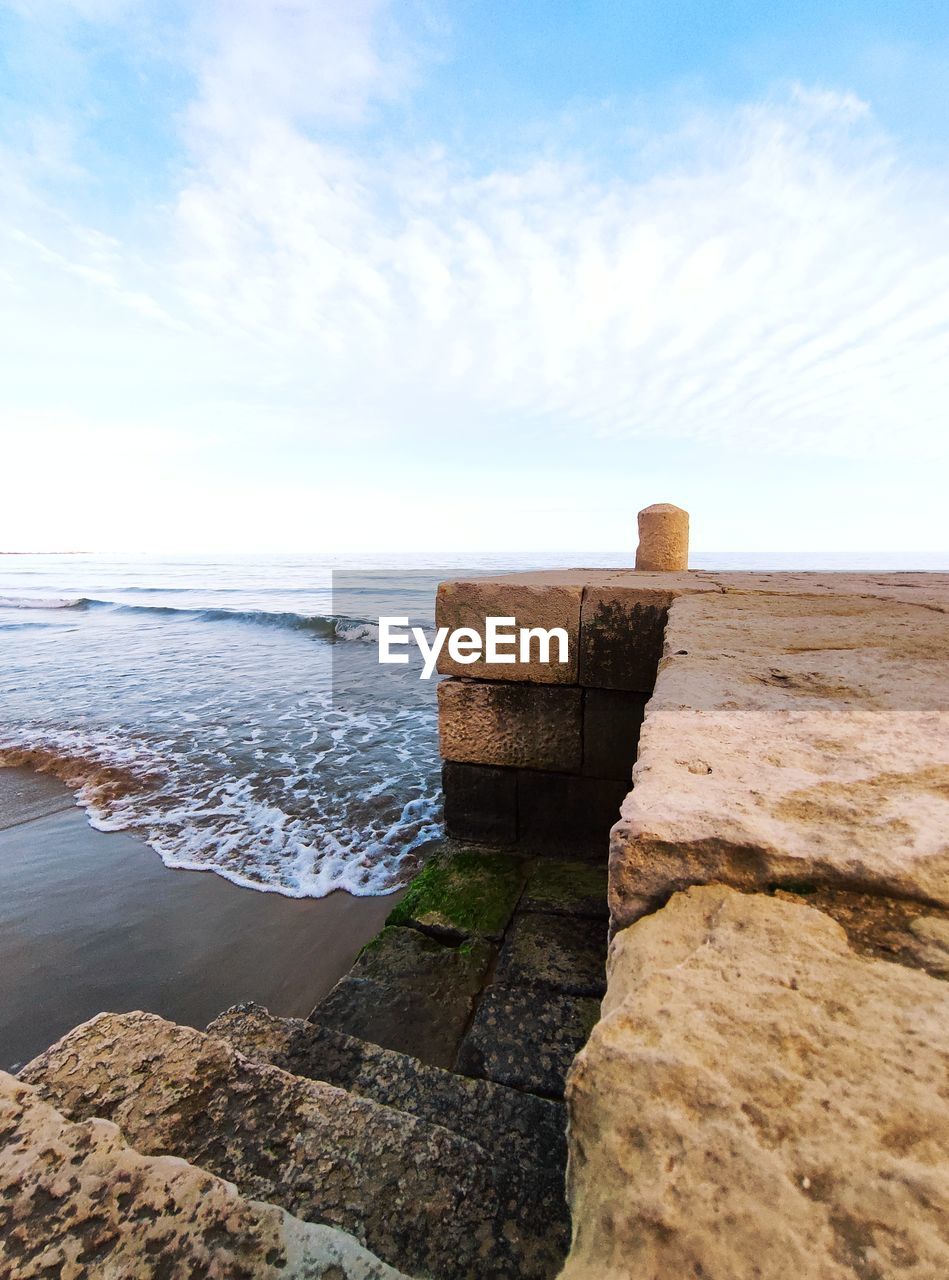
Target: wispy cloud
[(770, 276)]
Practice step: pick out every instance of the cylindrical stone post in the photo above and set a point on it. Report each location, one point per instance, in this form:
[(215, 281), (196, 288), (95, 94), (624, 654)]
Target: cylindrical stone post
[(663, 539)]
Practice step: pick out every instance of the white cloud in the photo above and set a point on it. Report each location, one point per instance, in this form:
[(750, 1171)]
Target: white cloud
[(771, 278), (776, 280)]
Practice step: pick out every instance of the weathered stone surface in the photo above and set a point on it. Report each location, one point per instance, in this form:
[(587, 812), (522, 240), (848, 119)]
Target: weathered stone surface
[(462, 892), (621, 633), (423, 1199), (410, 993), (530, 726), (567, 953), (566, 888), (792, 739), (533, 600), (77, 1201), (558, 814), (758, 1099), (663, 539), (612, 719), (524, 1132), (885, 928), (480, 802), (526, 1037)]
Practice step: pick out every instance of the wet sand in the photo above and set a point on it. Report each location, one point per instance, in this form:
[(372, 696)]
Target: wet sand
[(91, 921)]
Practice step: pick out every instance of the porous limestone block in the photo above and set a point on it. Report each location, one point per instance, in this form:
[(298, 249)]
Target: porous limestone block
[(76, 1201), (621, 635), (792, 739), (480, 802), (758, 1099), (559, 815), (612, 719), (663, 539), (533, 600), (512, 725)]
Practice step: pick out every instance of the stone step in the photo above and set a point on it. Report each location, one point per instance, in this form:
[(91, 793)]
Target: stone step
[(77, 1201), (411, 993), (519, 1129), (420, 1197)]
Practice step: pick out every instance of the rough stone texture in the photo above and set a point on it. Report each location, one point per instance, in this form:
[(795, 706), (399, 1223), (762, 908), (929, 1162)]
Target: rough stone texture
[(566, 888), (527, 1037), (515, 725), (421, 1198), (462, 892), (759, 1100), (77, 1201), (663, 539), (480, 802), (561, 815), (612, 719), (793, 739), (533, 600), (621, 633), (911, 933), (410, 993), (567, 953), (517, 1129)]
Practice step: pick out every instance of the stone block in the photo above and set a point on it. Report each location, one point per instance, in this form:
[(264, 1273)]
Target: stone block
[(562, 815), (621, 637), (409, 993), (527, 1037), (533, 600), (462, 893), (421, 1198), (513, 725), (759, 1100), (566, 888), (612, 719), (480, 802), (524, 1133), (565, 953), (77, 1201)]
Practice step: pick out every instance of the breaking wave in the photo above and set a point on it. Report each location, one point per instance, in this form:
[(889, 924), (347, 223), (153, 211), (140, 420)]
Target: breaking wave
[(327, 626)]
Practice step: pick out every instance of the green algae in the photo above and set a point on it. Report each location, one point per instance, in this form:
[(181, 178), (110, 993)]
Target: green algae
[(462, 894)]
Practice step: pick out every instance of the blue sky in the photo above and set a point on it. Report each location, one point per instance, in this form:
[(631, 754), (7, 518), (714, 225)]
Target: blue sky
[(473, 275)]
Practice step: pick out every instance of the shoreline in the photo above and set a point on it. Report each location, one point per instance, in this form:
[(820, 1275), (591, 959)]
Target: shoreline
[(94, 921)]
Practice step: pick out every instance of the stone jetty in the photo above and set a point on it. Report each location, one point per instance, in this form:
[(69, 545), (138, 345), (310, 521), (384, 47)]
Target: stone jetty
[(668, 1000)]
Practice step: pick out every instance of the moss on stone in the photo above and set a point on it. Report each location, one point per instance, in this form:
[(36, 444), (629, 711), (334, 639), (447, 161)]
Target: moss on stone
[(566, 888), (462, 894)]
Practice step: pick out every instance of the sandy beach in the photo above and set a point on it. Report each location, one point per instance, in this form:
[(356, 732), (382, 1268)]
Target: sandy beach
[(91, 921)]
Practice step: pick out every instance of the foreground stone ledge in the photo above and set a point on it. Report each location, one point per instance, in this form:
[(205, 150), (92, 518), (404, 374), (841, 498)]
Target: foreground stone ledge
[(759, 1100), (423, 1199), (77, 1201), (792, 739)]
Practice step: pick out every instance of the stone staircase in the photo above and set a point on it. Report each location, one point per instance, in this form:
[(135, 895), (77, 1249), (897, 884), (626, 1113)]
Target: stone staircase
[(425, 1163)]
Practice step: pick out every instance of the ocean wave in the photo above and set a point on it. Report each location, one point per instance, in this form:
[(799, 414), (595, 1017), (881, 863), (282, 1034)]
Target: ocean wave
[(284, 829), (45, 602), (327, 626)]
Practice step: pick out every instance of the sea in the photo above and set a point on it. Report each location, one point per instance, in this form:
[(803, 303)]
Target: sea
[(231, 710)]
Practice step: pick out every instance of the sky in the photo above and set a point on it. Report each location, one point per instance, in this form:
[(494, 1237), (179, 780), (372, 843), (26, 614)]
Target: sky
[(328, 275)]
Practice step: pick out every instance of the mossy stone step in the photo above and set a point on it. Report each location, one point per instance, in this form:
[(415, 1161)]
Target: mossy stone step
[(410, 993), (526, 1037), (559, 887), (463, 892), (420, 1197), (524, 1132), (566, 953)]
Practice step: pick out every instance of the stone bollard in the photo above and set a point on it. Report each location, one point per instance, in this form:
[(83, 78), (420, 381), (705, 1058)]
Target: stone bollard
[(663, 539)]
